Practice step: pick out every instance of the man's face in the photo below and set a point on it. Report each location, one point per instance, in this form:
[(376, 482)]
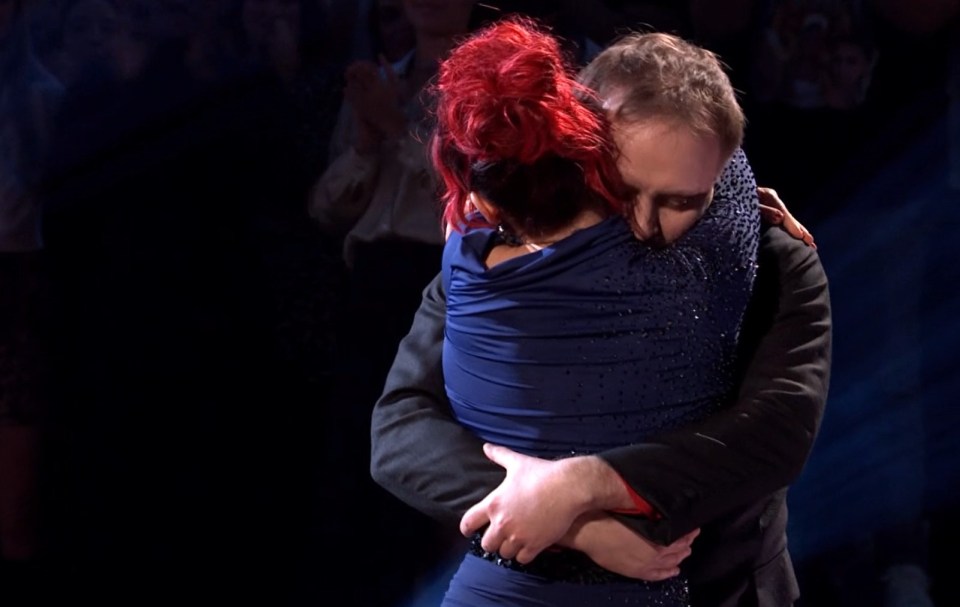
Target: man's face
[(671, 171)]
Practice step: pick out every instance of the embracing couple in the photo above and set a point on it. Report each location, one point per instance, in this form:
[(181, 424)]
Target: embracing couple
[(620, 368)]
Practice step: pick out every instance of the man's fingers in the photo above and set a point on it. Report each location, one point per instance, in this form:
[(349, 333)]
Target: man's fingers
[(498, 454), (492, 540), (474, 519), (529, 552), (510, 548), (525, 555), (507, 549)]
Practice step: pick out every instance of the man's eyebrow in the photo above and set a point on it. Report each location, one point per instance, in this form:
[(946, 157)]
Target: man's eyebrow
[(683, 194), (668, 194)]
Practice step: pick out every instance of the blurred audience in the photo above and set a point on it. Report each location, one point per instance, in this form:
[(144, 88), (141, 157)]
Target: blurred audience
[(953, 92), (378, 192), (378, 195), (216, 219), (90, 41), (29, 99), (851, 62), (391, 32), (178, 254)]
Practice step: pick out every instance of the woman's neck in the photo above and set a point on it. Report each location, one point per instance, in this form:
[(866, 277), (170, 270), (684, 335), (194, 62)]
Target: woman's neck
[(587, 218), (526, 244)]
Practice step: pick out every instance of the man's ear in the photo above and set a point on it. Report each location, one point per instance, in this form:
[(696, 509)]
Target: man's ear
[(485, 207)]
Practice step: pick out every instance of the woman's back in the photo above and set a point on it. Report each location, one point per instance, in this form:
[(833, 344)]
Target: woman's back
[(600, 340)]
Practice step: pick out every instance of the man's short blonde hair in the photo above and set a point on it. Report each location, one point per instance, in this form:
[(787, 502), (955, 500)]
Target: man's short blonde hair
[(656, 75)]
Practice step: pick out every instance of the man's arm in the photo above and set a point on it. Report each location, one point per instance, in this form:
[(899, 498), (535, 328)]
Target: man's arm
[(419, 452), (760, 443), (425, 458)]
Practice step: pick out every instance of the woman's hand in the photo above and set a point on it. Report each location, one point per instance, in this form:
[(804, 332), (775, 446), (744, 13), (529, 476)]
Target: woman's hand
[(615, 547), (774, 211)]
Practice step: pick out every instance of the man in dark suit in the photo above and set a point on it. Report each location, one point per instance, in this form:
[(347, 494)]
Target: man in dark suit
[(725, 475)]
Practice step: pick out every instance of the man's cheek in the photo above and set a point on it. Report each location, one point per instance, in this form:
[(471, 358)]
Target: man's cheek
[(680, 224)]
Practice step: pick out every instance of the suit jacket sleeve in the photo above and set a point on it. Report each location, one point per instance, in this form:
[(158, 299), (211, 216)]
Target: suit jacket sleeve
[(761, 442), (422, 456), (419, 452)]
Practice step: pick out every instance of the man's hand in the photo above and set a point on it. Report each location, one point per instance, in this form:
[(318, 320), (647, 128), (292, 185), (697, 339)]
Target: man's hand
[(615, 547), (537, 502)]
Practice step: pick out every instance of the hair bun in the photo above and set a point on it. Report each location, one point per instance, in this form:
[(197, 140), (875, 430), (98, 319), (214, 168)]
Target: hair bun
[(504, 90), (509, 112)]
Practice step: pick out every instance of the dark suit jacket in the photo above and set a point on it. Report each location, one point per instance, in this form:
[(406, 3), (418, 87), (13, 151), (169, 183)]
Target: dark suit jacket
[(726, 474)]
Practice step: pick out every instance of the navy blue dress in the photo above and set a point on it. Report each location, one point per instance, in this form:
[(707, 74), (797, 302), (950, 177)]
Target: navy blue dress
[(595, 342)]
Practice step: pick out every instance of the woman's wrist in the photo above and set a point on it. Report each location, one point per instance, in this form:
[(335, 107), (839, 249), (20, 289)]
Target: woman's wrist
[(576, 537)]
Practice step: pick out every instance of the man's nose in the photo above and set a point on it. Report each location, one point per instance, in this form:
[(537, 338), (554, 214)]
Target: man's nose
[(646, 219)]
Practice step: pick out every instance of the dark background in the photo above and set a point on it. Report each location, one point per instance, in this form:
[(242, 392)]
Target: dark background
[(197, 449)]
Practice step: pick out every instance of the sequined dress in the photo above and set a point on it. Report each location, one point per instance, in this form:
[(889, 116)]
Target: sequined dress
[(595, 342)]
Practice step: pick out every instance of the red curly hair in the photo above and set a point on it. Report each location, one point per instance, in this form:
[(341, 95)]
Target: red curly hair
[(513, 124)]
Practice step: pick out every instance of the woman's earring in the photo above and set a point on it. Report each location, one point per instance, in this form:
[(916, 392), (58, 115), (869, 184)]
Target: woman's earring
[(507, 237)]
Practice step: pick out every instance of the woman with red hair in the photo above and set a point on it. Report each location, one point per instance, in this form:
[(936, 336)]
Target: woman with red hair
[(552, 302)]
